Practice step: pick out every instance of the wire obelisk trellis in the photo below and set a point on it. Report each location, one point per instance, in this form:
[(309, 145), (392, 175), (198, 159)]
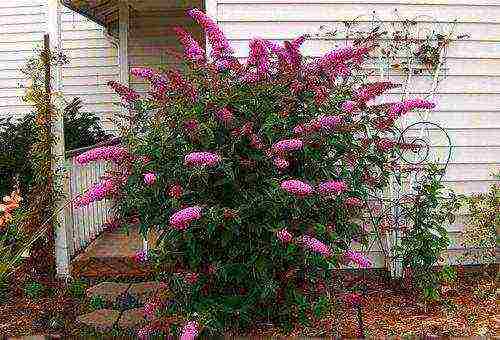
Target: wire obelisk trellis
[(390, 201)]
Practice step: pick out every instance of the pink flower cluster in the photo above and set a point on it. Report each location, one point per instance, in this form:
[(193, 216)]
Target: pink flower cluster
[(225, 116), (115, 154), (287, 145), (150, 309), (281, 163), (182, 219), (150, 178), (370, 91), (98, 192), (259, 56), (332, 187), (358, 258), (191, 278), (284, 235), (124, 92), (322, 122), (219, 43), (158, 82), (349, 106), (201, 159), (189, 331), (297, 188), (175, 191), (399, 109), (192, 49), (316, 246), (354, 202), (140, 256)]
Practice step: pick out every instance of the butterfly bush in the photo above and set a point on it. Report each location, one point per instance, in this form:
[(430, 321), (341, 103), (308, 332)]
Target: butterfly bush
[(259, 174)]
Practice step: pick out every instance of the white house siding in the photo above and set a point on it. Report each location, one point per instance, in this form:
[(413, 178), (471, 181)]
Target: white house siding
[(468, 100), (22, 26), (93, 59)]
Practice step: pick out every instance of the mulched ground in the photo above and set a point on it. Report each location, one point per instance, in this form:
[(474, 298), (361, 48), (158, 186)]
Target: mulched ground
[(470, 308)]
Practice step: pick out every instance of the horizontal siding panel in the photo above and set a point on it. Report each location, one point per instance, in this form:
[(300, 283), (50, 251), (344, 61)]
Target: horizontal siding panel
[(460, 49), (459, 137), (23, 19), (323, 12), (83, 53), (23, 28), (371, 2), (91, 70), (292, 29), (471, 172), (459, 102), (473, 154), (447, 84), (88, 80), (36, 37), (469, 187), (457, 120)]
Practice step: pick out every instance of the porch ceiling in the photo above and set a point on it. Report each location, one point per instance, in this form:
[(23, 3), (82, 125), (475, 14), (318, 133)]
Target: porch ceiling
[(105, 12)]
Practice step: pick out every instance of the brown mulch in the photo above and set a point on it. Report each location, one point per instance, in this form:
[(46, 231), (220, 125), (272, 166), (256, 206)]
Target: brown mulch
[(469, 308)]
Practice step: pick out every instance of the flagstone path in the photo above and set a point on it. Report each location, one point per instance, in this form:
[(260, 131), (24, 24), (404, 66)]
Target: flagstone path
[(124, 305)]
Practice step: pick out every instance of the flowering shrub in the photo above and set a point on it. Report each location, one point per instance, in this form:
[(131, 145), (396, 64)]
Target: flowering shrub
[(262, 175)]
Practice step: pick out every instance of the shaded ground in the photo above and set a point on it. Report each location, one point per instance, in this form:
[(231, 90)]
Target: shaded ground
[(469, 308)]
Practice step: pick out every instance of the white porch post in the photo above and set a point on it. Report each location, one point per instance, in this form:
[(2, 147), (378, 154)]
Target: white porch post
[(123, 37), (58, 150)]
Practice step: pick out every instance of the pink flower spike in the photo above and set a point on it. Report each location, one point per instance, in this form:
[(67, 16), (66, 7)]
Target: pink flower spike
[(358, 258), (115, 154), (354, 202), (149, 178), (225, 116), (192, 49), (201, 159), (189, 331), (126, 93), (140, 256), (349, 106), (281, 163), (297, 187), (332, 187), (316, 246), (288, 145), (284, 235), (182, 219), (191, 278), (219, 43)]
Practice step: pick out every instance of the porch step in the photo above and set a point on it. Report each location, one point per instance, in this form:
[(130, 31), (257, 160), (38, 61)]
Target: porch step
[(112, 255)]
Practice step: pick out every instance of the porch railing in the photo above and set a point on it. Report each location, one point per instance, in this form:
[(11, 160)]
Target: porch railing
[(85, 224)]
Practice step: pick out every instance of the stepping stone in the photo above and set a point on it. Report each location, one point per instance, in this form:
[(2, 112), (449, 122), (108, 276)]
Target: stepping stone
[(101, 320), (145, 290), (109, 291), (132, 318)]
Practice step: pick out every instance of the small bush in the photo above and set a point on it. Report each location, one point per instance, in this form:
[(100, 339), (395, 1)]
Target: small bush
[(96, 302), (257, 175), (16, 138)]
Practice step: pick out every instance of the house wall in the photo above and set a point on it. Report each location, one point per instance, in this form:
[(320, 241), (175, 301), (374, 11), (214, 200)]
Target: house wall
[(468, 100), (92, 57), (151, 35)]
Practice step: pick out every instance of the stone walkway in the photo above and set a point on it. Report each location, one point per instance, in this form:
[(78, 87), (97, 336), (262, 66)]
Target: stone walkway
[(124, 305)]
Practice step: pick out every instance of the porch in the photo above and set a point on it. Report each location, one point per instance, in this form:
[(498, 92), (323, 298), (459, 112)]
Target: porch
[(143, 31)]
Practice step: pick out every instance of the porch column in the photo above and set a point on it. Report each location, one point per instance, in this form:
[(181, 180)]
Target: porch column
[(61, 227), (123, 37)]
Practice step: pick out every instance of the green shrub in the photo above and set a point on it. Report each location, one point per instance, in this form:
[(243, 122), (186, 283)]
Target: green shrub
[(34, 290), (77, 289)]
